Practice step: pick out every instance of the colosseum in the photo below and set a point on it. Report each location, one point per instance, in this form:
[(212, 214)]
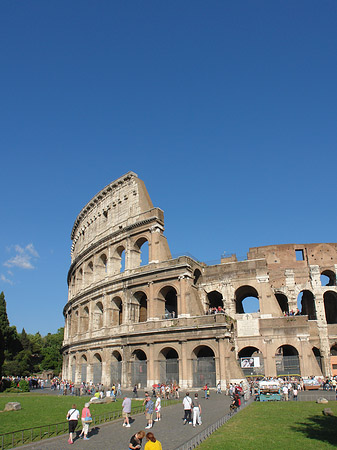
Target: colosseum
[(136, 315)]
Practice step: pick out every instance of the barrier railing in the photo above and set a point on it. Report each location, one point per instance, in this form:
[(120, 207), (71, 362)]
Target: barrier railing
[(29, 435), (200, 437)]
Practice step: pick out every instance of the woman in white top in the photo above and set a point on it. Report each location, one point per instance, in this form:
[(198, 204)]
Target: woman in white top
[(72, 417), (158, 408)]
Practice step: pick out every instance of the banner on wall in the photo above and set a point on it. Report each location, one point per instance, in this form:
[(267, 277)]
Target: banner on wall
[(250, 363)]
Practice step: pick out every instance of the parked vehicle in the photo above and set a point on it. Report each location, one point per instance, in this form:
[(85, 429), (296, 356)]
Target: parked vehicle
[(269, 391)]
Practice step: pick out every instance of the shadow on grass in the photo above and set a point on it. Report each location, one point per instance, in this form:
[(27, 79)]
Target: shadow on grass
[(321, 428)]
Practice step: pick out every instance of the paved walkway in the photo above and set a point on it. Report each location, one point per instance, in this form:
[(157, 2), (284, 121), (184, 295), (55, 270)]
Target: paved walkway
[(170, 431)]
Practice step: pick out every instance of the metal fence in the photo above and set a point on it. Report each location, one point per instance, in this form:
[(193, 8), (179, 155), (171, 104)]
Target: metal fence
[(200, 437), (35, 434)]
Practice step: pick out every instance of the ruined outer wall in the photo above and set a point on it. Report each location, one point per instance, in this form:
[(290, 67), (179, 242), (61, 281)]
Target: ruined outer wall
[(120, 311)]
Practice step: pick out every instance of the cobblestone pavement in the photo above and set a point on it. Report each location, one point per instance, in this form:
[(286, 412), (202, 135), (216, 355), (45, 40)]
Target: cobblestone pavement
[(170, 431)]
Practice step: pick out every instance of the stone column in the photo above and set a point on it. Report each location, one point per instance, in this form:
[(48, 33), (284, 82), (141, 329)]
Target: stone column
[(154, 243), (150, 302), (150, 366), (182, 296), (221, 370)]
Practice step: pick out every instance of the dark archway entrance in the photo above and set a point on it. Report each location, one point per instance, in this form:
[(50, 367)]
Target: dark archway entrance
[(306, 304), (115, 368), (204, 367), (283, 302), (139, 368), (287, 361), (169, 366), (330, 306)]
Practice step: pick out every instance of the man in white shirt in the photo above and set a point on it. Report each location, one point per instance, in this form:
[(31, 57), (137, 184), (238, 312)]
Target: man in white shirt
[(187, 404)]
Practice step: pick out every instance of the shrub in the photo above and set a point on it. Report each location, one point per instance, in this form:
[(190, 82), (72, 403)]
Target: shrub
[(24, 386)]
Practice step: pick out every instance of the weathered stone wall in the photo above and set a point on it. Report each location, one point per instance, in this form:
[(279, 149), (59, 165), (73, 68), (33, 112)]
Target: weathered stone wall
[(151, 323)]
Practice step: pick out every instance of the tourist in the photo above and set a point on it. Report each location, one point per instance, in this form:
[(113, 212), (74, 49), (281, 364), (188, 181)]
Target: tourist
[(135, 392), (187, 404), (149, 411), (206, 391), (196, 411), (152, 443), (285, 391), (119, 391), (157, 408), (126, 405), (86, 420), (295, 393), (218, 388), (72, 417), (136, 440)]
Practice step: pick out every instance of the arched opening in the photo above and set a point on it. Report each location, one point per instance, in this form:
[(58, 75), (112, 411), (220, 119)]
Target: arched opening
[(328, 278), (89, 273), (84, 320), (142, 246), (215, 302), (73, 369), (287, 361), (317, 353), (247, 300), (74, 326), (169, 294), (283, 302), (103, 264), (196, 277), (169, 366), (79, 279), (251, 361), (97, 369), (115, 368), (203, 359), (84, 365), (333, 359), (120, 257), (330, 306), (139, 368), (98, 316), (139, 309), (306, 304), (117, 311)]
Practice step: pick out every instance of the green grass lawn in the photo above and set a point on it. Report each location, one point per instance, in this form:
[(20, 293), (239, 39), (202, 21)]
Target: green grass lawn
[(45, 409), (277, 425)]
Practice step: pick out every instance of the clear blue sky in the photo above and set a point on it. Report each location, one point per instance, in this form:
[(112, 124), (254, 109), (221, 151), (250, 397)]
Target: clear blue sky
[(226, 110)]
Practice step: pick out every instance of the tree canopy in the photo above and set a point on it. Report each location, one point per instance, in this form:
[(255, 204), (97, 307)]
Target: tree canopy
[(23, 354)]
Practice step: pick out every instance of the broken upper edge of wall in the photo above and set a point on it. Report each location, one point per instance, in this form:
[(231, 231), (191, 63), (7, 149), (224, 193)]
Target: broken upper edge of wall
[(99, 196)]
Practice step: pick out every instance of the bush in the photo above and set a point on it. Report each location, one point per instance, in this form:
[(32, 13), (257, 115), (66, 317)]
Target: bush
[(24, 386), (4, 384)]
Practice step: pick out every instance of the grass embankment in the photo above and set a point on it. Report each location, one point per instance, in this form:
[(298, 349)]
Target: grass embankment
[(277, 425), (45, 409)]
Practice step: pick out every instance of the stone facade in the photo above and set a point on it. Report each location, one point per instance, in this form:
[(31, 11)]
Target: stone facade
[(135, 315)]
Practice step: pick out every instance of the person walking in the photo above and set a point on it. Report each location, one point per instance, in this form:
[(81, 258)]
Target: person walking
[(196, 411), (136, 440), (149, 411), (157, 408), (86, 420), (72, 417), (152, 443), (135, 392), (187, 404), (126, 405)]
